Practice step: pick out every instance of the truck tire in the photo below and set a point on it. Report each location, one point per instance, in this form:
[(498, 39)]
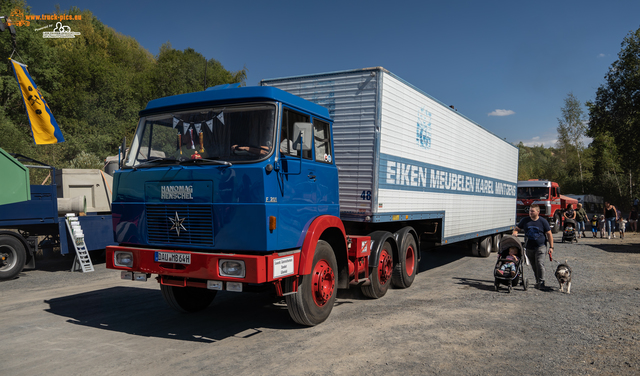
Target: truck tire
[(406, 268), (317, 291), (187, 299), (474, 246), (381, 275), (12, 257), (497, 238), (486, 247), (556, 223)]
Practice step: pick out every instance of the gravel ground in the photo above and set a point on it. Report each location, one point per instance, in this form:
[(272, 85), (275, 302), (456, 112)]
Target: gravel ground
[(450, 322)]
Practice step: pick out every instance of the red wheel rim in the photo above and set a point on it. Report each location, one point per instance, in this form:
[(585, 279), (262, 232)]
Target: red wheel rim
[(410, 261), (323, 283), (385, 267)]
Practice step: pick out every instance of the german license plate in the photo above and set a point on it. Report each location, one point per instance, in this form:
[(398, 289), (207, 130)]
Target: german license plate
[(176, 258)]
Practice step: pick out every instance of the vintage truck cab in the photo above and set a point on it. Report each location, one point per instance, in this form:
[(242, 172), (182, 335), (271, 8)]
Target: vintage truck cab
[(219, 190)]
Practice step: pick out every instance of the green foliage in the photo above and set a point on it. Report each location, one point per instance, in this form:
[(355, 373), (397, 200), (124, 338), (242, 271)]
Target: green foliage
[(537, 162), (614, 124), (609, 166), (571, 130), (95, 85), (86, 160)]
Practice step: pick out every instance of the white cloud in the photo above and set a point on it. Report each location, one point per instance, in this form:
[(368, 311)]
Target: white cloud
[(501, 113), (601, 55)]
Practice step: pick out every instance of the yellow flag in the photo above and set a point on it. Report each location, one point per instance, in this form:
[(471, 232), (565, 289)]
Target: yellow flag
[(43, 126)]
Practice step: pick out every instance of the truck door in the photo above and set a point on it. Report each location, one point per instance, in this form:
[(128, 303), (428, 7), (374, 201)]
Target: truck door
[(325, 170), (299, 199)]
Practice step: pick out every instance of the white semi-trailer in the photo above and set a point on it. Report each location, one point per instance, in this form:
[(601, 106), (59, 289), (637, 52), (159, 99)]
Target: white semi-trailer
[(403, 156)]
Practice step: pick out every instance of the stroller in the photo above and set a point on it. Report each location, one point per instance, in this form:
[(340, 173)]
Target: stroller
[(512, 276), (569, 233)]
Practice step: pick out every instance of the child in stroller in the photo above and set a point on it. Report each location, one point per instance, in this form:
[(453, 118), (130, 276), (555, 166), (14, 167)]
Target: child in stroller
[(569, 232), (509, 267)]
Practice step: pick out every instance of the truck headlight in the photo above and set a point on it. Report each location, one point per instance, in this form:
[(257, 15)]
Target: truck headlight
[(231, 268), (123, 259)]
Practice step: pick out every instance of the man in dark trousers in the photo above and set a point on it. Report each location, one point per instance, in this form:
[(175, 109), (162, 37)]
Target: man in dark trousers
[(537, 232)]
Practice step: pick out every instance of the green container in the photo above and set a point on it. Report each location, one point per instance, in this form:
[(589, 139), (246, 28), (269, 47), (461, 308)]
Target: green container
[(14, 180)]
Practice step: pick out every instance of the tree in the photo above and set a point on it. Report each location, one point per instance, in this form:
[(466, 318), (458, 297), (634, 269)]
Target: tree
[(571, 130), (614, 115), (95, 85)]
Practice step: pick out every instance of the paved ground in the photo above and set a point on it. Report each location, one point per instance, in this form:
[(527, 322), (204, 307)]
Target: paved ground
[(450, 322)]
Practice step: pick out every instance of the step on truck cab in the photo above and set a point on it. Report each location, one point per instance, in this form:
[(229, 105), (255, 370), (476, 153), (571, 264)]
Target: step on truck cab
[(241, 188)]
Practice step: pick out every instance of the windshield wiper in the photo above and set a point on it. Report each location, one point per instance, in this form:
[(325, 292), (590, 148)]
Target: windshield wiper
[(155, 161), (213, 160)]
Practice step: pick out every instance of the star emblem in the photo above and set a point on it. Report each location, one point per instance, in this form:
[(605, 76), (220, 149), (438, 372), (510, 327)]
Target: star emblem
[(176, 224)]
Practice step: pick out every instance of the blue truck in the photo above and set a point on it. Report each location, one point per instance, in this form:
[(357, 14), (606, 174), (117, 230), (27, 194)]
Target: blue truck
[(238, 188), (31, 220)]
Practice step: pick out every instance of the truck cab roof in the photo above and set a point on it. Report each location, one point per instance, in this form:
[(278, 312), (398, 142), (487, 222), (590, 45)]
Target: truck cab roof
[(536, 183), (227, 94)]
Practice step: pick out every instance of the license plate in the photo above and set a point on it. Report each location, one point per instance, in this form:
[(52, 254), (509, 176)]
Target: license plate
[(176, 258)]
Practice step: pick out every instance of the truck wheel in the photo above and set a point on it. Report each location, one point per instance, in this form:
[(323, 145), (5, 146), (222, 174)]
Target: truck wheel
[(406, 268), (187, 299), (497, 238), (556, 224), (474, 248), (317, 291), (12, 257), (381, 275), (486, 246)]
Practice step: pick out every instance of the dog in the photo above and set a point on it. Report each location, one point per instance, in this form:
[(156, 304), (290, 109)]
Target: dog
[(563, 274)]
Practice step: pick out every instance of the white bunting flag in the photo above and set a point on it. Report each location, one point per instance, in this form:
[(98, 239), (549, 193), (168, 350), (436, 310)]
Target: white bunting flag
[(210, 125), (185, 127), (175, 122), (221, 117), (198, 127)]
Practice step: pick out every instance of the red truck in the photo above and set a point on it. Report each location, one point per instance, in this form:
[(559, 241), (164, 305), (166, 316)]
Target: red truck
[(547, 195)]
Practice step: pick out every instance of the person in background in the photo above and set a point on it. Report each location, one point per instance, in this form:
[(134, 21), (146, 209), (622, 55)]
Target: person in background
[(594, 225), (569, 216), (622, 223), (610, 216), (633, 219), (581, 218)]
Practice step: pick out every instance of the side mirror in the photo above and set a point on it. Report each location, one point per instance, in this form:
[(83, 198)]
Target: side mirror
[(122, 152), (302, 133)]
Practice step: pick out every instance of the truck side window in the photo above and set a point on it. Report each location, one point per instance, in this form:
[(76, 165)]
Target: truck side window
[(322, 141), (289, 118)]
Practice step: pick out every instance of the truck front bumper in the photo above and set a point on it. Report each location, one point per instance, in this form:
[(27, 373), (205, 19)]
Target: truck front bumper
[(204, 266)]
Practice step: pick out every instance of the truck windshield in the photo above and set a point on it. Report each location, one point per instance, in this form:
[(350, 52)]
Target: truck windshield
[(232, 133), (531, 193)]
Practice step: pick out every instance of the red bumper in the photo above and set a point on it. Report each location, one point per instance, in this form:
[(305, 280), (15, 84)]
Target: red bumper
[(258, 268)]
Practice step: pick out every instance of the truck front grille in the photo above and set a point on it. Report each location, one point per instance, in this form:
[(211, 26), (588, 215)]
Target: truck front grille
[(197, 221), (520, 210)]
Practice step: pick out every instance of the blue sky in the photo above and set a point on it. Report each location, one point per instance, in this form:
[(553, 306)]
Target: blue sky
[(487, 58)]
